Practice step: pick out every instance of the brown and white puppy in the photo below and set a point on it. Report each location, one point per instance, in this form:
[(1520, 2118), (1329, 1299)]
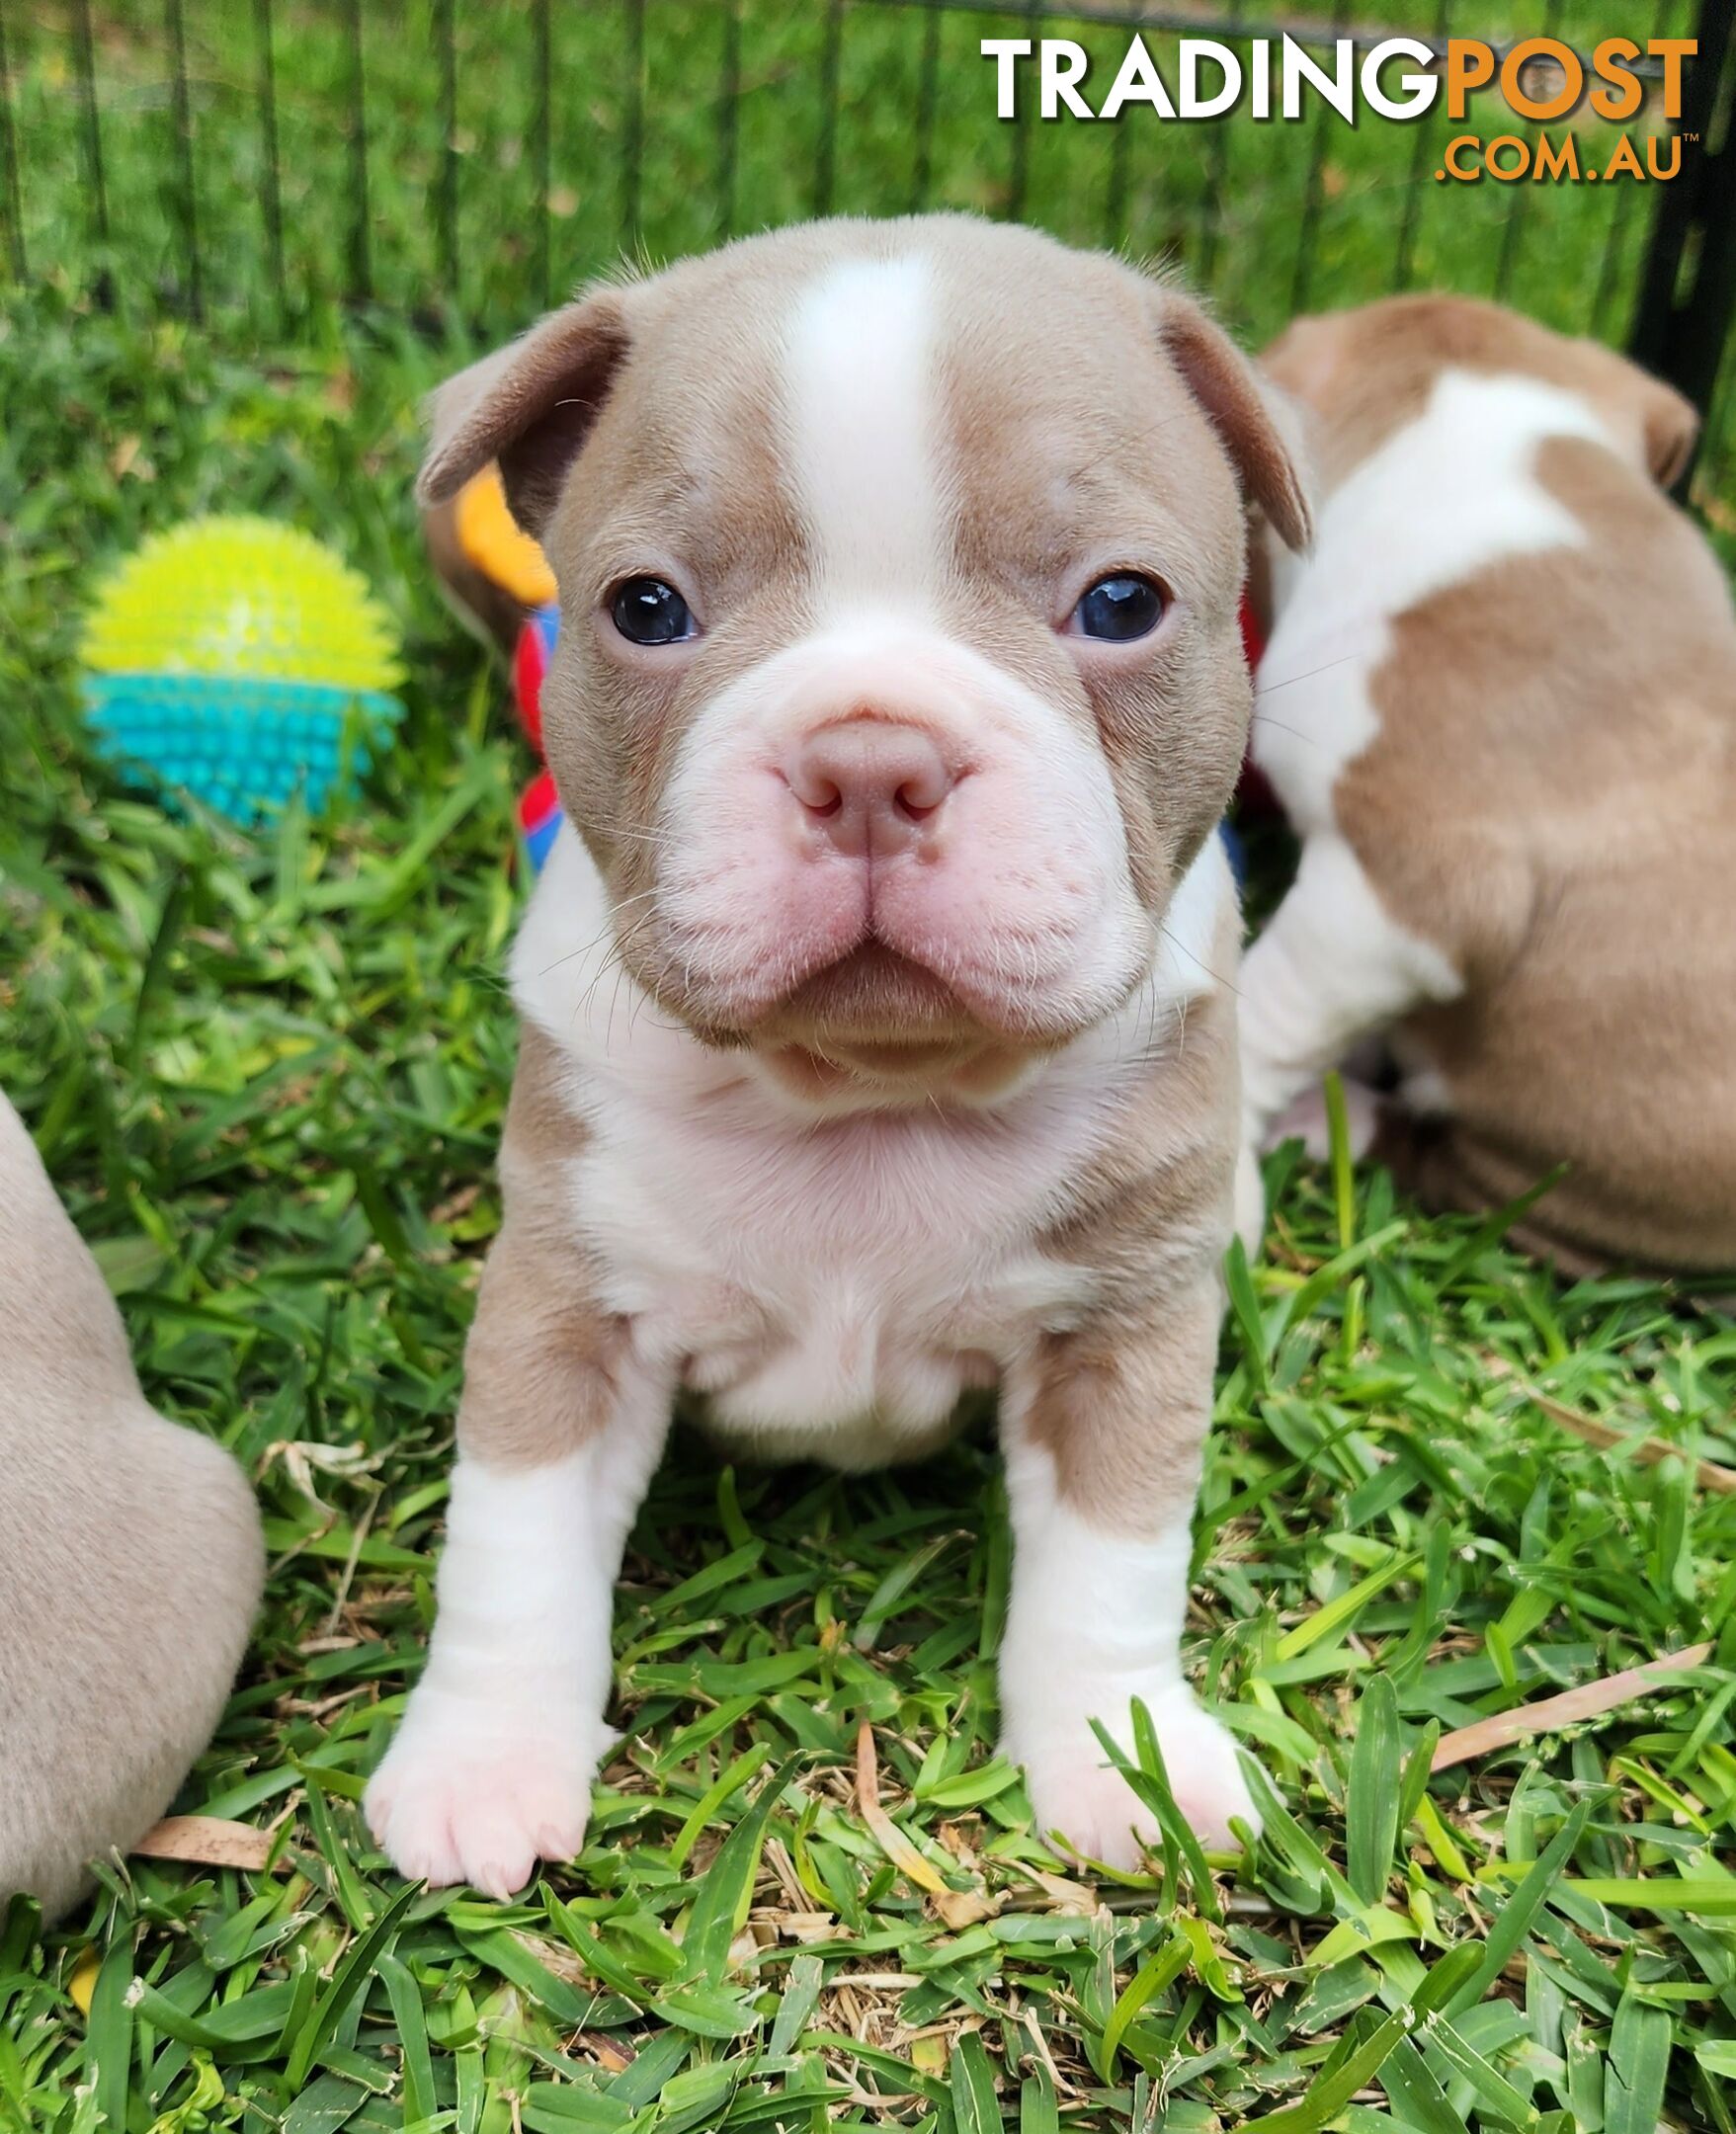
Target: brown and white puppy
[(1499, 703), (877, 1032), (130, 1560)]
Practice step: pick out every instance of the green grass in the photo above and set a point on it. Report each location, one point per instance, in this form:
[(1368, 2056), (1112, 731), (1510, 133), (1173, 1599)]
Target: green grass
[(268, 1074), (644, 149), (638, 148)]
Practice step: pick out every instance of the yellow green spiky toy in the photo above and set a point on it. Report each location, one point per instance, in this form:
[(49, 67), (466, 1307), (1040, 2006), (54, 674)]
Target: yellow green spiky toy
[(241, 661)]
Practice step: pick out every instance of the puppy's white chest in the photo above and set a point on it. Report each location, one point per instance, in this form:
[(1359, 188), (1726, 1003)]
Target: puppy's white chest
[(832, 1288)]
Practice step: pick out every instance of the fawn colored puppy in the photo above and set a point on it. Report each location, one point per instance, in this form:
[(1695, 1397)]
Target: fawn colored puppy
[(878, 1040), (131, 1560), (1499, 703)]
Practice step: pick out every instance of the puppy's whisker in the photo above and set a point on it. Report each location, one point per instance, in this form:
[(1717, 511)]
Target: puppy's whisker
[(654, 838), (597, 940), (1195, 957), (1270, 688), (1273, 725)]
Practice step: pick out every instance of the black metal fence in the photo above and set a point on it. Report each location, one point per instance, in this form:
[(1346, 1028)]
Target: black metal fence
[(261, 166)]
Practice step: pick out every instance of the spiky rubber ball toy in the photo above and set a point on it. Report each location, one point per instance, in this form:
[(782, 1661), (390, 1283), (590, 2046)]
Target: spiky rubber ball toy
[(241, 661)]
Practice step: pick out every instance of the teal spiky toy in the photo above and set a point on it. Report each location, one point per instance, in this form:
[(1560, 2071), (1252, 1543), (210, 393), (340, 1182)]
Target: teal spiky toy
[(242, 662)]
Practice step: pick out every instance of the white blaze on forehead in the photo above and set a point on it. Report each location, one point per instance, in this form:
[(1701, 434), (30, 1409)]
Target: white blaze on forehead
[(860, 393)]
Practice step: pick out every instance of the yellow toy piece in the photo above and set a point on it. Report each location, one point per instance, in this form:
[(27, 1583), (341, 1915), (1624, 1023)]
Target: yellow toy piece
[(497, 546)]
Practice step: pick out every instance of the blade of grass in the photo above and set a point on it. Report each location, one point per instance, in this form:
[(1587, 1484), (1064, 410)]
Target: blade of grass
[(1567, 1708), (1372, 1814)]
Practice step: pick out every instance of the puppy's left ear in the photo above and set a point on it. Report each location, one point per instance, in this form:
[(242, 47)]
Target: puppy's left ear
[(529, 405), (1668, 424), (1661, 424), (1244, 413)]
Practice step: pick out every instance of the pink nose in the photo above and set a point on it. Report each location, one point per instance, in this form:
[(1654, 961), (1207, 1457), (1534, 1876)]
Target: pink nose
[(869, 787)]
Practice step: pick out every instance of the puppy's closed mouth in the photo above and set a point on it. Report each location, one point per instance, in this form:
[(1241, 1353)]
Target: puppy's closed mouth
[(877, 1020), (877, 998)]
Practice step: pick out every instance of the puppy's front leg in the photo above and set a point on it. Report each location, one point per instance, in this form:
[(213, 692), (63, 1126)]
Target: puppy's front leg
[(1332, 966), (558, 1434), (1103, 1435)]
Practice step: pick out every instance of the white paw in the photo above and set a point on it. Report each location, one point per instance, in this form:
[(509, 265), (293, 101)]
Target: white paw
[(1075, 1789), (1305, 1119), (479, 1796)]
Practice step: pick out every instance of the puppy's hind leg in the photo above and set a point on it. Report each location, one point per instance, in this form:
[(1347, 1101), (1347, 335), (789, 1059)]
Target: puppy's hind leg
[(558, 1434), (1331, 967)]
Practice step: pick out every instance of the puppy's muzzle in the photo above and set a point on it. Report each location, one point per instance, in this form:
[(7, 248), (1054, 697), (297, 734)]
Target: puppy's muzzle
[(870, 789)]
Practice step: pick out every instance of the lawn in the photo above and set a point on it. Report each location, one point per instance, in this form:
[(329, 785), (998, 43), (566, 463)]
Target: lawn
[(268, 1074)]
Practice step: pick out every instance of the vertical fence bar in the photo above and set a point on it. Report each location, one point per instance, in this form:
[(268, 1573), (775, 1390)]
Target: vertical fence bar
[(272, 189), (1513, 230), (1404, 258), (1679, 332), (1622, 208), (826, 157), (361, 252), (1609, 266), (181, 115), (95, 185), (13, 190), (632, 132), (1615, 235), (928, 100), (542, 149), (1114, 199), (728, 119), (1217, 167), (1718, 436), (1019, 183), (446, 185), (1302, 276), (1621, 211)]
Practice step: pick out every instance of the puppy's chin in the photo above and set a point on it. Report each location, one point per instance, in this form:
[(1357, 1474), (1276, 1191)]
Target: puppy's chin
[(876, 1027), (849, 1078), (875, 1000)]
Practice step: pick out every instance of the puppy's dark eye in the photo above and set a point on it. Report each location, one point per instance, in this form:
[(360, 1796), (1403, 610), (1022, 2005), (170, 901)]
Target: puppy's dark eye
[(650, 612), (1119, 609)]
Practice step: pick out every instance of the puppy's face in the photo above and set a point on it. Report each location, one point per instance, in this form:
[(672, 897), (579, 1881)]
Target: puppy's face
[(899, 677)]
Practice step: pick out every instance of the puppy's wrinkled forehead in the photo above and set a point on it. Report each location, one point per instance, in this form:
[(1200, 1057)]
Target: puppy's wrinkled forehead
[(887, 407), (904, 408)]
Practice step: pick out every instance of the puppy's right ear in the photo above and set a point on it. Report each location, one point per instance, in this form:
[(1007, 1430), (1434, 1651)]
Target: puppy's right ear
[(530, 406), (1251, 422)]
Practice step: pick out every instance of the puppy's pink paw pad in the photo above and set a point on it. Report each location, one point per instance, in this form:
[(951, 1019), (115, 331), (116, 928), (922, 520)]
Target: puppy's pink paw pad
[(1205, 1775), (445, 1811), (1075, 1790), (1095, 1809)]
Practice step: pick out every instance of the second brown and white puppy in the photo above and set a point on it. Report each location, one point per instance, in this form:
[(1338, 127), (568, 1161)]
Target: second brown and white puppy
[(1499, 703), (130, 1560), (877, 1035)]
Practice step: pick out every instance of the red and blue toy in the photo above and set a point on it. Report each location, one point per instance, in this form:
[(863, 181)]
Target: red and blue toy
[(539, 811), (499, 581)]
